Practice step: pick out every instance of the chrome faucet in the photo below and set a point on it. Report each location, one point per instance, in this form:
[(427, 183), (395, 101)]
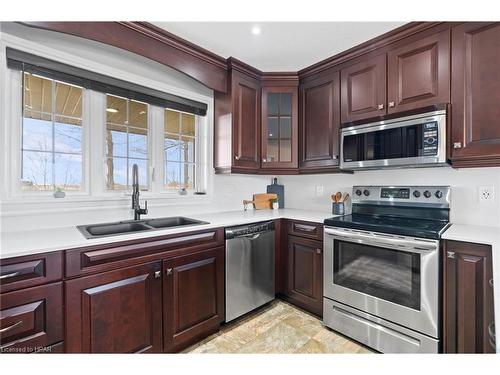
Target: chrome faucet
[(136, 204)]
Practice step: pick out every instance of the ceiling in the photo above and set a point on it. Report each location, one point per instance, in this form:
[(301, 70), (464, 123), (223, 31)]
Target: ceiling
[(280, 46)]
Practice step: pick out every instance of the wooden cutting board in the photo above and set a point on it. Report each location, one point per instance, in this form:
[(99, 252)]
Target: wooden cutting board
[(262, 201)]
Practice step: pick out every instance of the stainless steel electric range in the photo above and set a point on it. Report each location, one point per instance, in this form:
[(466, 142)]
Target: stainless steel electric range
[(381, 267)]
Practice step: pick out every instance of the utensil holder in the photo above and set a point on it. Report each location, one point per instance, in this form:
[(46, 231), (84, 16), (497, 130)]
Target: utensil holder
[(338, 208)]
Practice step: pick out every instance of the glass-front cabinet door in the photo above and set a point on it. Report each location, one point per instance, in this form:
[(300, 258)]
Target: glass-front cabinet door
[(279, 128)]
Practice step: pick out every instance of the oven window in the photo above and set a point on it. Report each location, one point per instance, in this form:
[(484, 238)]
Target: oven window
[(379, 272)]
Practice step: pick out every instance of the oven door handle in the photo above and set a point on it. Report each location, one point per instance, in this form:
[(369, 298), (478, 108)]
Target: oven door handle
[(405, 244)]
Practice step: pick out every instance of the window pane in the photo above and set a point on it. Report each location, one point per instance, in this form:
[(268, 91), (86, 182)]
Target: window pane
[(116, 173), (37, 134), (68, 171), (286, 104), (116, 140), (172, 148), (138, 114), (143, 172), (272, 140), (187, 149), (273, 103), (116, 110), (37, 93), (172, 178), (68, 100), (188, 125), (67, 136), (138, 143), (172, 121), (187, 176), (36, 171)]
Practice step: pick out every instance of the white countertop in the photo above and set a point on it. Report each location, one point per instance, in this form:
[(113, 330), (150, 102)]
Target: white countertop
[(44, 240), (488, 236)]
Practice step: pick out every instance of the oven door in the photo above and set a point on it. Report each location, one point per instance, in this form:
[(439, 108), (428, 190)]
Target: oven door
[(393, 277)]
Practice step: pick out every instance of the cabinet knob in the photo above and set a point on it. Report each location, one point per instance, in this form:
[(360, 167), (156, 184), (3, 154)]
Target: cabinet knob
[(335, 157), (380, 106), (457, 144), (236, 157), (491, 282), (392, 104), (157, 274), (264, 160), (318, 251), (450, 254), (169, 271)]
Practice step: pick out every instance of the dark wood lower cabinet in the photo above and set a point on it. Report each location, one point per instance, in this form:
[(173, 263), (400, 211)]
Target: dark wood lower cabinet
[(193, 297), (305, 274), (115, 312), (468, 297)]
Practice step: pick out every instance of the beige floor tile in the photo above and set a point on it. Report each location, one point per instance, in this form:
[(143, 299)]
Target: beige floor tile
[(281, 338), (312, 347)]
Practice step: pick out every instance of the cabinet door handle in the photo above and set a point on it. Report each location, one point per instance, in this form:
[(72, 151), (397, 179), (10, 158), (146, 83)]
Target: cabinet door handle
[(450, 254), (6, 329), (380, 106), (491, 282), (335, 157), (236, 157), (392, 104), (457, 144), (318, 251), (9, 275), (264, 160), (157, 274), (169, 271)]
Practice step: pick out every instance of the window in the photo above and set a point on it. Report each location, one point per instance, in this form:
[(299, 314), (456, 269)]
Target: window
[(126, 142), (51, 147), (179, 146)]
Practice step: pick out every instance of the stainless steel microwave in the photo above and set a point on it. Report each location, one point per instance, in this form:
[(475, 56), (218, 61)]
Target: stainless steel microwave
[(411, 141)]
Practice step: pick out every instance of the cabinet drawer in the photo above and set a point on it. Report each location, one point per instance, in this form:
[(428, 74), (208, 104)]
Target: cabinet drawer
[(27, 271), (31, 319), (306, 229), (103, 258)]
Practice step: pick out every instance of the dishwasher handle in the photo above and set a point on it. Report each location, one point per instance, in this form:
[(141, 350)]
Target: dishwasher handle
[(251, 231)]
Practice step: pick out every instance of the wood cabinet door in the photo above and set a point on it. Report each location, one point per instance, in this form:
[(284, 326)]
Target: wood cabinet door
[(279, 128), (193, 295), (419, 73), (305, 274), (475, 95), (31, 319), (320, 123), (246, 122), (468, 298), (115, 312), (364, 89)]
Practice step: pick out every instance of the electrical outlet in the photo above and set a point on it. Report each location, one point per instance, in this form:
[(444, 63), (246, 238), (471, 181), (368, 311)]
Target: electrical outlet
[(320, 191), (486, 194)]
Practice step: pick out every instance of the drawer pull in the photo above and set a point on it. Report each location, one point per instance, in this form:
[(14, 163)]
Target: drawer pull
[(450, 254), (6, 329), (9, 275), (305, 228), (157, 274), (169, 271)]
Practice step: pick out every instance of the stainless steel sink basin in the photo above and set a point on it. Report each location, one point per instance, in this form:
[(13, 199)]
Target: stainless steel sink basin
[(132, 226)]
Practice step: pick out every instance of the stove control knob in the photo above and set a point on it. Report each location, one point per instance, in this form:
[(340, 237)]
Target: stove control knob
[(416, 194), (358, 192), (366, 192), (427, 194), (438, 194)]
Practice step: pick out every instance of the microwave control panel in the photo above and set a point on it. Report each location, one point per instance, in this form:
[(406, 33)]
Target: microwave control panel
[(430, 138)]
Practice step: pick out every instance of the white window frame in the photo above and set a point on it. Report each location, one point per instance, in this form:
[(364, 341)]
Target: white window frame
[(94, 128)]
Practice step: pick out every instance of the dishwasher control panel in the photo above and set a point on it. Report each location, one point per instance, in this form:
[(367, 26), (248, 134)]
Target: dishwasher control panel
[(249, 229)]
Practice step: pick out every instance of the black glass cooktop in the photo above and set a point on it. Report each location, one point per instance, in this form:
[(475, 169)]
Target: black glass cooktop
[(387, 224)]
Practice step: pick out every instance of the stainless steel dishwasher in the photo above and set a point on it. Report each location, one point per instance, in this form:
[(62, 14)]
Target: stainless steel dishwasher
[(249, 268)]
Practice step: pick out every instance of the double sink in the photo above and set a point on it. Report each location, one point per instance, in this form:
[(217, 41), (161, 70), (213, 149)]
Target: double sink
[(132, 226)]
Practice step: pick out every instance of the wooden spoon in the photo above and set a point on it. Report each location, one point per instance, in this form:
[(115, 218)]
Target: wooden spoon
[(337, 197), (346, 197)]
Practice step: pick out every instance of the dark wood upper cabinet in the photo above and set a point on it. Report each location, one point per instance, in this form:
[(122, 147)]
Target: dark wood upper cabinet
[(364, 89), (319, 124), (115, 312), (468, 298), (237, 125), (418, 73), (279, 128), (475, 95), (305, 274), (193, 297)]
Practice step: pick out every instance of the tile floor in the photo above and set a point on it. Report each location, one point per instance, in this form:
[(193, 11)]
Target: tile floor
[(277, 328)]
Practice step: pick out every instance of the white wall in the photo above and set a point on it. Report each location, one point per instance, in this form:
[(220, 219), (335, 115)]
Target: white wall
[(300, 191)]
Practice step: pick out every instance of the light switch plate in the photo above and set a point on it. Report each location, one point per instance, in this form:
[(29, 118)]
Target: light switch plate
[(320, 190)]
